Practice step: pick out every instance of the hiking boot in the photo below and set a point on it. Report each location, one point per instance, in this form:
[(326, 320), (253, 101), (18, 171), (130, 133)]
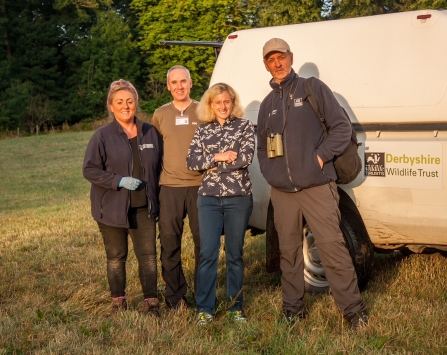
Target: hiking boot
[(358, 320), (237, 316), (151, 306), (292, 317), (118, 304), (204, 318)]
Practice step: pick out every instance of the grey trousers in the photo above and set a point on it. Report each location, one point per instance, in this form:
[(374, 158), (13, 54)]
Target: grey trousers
[(319, 207)]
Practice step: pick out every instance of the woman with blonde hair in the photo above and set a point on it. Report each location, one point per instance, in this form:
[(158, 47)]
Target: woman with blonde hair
[(123, 163), (223, 147)]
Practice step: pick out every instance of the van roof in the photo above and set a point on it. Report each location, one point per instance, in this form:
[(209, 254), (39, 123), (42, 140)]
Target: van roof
[(383, 68)]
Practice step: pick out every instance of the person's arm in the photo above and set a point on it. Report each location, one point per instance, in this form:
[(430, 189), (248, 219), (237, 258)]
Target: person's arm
[(155, 121), (245, 151), (262, 139), (196, 158), (338, 125), (94, 169), (161, 150)]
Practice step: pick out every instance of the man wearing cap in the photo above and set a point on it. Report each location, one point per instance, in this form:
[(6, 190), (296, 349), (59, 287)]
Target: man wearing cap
[(297, 162)]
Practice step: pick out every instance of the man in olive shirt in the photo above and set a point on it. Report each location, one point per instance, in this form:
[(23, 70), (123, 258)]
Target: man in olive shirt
[(177, 121)]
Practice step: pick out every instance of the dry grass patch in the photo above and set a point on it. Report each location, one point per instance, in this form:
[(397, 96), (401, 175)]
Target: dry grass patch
[(54, 296)]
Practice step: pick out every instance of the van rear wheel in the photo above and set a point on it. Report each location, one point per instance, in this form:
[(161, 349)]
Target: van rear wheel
[(314, 275), (357, 241)]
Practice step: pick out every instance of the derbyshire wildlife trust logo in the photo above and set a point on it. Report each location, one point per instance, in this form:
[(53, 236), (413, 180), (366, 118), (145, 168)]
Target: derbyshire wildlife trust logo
[(375, 164)]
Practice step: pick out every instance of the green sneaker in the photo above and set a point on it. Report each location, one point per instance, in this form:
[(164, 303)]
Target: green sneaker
[(237, 316), (204, 318)]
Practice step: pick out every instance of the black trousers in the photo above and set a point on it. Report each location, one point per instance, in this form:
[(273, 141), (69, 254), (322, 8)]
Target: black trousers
[(142, 232), (175, 204)]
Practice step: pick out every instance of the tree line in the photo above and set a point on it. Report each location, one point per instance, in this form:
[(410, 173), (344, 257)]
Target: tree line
[(58, 56)]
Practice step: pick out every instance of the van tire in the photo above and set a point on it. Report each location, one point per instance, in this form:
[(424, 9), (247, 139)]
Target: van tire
[(356, 238), (359, 245)]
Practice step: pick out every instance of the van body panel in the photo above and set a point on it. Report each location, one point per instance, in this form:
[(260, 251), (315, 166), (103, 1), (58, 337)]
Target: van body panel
[(384, 69), (380, 68)]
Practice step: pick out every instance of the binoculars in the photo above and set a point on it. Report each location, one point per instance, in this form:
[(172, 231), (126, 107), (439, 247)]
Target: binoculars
[(274, 146)]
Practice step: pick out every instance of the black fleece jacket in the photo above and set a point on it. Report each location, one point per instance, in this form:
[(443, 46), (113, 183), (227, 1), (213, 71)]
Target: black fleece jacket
[(303, 137), (109, 158)]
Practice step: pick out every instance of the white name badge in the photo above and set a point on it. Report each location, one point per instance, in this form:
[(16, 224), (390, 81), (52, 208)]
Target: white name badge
[(181, 120), (146, 146)]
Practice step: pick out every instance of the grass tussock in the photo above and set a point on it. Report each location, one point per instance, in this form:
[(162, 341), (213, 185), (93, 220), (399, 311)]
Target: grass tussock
[(54, 296)]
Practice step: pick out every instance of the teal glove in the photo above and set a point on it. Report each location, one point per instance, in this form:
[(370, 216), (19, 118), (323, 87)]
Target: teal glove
[(129, 183)]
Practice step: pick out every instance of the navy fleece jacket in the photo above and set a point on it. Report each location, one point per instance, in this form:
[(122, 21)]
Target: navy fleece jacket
[(109, 158), (303, 137)]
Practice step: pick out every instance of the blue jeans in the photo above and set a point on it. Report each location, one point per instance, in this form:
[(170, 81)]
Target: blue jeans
[(215, 214)]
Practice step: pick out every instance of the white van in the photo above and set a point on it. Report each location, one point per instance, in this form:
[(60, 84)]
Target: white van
[(390, 74)]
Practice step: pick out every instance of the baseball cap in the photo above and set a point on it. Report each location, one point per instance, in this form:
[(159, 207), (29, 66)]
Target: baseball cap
[(275, 45)]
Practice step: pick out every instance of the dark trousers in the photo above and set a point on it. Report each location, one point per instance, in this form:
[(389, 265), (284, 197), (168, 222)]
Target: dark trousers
[(232, 213), (175, 204), (143, 235), (319, 206)]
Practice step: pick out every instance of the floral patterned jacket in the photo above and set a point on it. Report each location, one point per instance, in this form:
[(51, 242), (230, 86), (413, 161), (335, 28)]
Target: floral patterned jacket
[(231, 179)]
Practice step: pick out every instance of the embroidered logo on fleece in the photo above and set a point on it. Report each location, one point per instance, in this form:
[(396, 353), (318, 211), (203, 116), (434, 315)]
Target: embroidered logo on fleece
[(298, 102)]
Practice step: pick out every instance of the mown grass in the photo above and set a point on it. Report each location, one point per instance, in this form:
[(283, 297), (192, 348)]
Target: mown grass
[(54, 296)]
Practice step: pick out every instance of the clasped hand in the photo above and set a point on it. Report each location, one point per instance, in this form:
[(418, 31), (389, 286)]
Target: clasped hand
[(229, 156), (130, 183)]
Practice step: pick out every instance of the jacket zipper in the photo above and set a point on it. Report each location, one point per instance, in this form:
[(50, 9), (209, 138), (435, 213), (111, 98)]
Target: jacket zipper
[(284, 138), (149, 202), (130, 174)]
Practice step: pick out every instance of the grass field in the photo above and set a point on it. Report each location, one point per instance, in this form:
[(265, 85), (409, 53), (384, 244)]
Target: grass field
[(54, 296)]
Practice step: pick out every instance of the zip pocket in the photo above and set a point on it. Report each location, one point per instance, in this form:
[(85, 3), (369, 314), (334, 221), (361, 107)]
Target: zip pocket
[(103, 200)]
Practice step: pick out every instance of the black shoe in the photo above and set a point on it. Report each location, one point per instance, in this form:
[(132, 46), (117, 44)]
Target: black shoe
[(292, 317), (358, 321), (180, 305)]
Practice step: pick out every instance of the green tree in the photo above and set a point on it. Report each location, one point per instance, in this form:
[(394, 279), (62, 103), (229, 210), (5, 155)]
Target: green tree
[(65, 53), (14, 101), (357, 8), (286, 12), (40, 111), (106, 53), (189, 20), (30, 57)]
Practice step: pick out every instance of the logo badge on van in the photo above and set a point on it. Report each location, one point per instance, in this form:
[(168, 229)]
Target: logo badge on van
[(375, 164)]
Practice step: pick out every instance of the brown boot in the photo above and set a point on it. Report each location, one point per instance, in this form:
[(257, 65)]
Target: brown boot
[(151, 305), (358, 321), (118, 304)]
